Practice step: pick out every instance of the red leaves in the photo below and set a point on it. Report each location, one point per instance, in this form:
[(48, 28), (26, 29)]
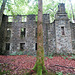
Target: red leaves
[(20, 63)]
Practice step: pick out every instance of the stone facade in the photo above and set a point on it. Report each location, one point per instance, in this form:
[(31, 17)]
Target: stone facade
[(63, 31), (19, 33)]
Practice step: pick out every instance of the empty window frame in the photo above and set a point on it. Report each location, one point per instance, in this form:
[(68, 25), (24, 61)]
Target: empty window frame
[(10, 19), (36, 33), (7, 46), (62, 31), (24, 18), (22, 46), (23, 30), (8, 32), (35, 46)]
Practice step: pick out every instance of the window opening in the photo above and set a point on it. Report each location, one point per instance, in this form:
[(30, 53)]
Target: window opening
[(10, 19), (62, 30), (22, 46), (36, 33), (24, 19), (8, 32), (7, 46), (35, 46), (23, 32)]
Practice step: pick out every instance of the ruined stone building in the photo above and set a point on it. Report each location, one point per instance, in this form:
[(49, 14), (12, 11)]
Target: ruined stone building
[(19, 33)]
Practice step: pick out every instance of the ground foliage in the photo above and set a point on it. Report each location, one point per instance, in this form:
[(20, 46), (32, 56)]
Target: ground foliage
[(21, 64)]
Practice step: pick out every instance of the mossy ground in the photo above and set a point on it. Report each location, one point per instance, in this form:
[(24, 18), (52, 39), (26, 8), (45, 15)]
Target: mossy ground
[(33, 72), (49, 73)]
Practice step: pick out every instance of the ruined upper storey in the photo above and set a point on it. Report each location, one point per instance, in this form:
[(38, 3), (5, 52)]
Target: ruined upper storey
[(19, 33), (61, 8), (25, 18), (61, 13)]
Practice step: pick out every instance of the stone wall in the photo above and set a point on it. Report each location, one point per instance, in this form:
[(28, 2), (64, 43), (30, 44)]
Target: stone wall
[(30, 35), (72, 25), (63, 32), (51, 38), (46, 23), (2, 32), (16, 39), (20, 31)]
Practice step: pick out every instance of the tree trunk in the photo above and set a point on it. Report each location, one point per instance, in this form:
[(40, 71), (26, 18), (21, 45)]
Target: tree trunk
[(2, 10), (40, 67), (40, 48)]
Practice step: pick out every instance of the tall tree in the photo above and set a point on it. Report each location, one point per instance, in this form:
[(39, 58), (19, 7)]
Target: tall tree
[(40, 66), (2, 10)]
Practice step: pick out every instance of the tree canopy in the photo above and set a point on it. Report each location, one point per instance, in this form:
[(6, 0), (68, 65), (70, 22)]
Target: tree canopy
[(25, 7)]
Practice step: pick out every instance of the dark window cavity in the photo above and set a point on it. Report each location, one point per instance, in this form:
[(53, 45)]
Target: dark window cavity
[(7, 46), (35, 46), (22, 46), (62, 30), (23, 30), (36, 33)]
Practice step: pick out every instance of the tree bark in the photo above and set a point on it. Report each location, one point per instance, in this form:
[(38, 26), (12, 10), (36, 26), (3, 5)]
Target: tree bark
[(40, 67), (40, 49), (2, 10)]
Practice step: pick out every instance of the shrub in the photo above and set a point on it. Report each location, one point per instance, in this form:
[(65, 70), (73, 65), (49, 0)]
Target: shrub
[(14, 53), (73, 57), (17, 53)]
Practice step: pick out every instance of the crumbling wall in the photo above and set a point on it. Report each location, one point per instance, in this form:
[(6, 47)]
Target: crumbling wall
[(63, 31), (46, 22), (51, 38), (15, 39), (72, 25), (2, 36), (18, 33)]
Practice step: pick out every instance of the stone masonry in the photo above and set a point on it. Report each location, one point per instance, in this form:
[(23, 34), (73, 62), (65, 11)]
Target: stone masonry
[(18, 33)]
